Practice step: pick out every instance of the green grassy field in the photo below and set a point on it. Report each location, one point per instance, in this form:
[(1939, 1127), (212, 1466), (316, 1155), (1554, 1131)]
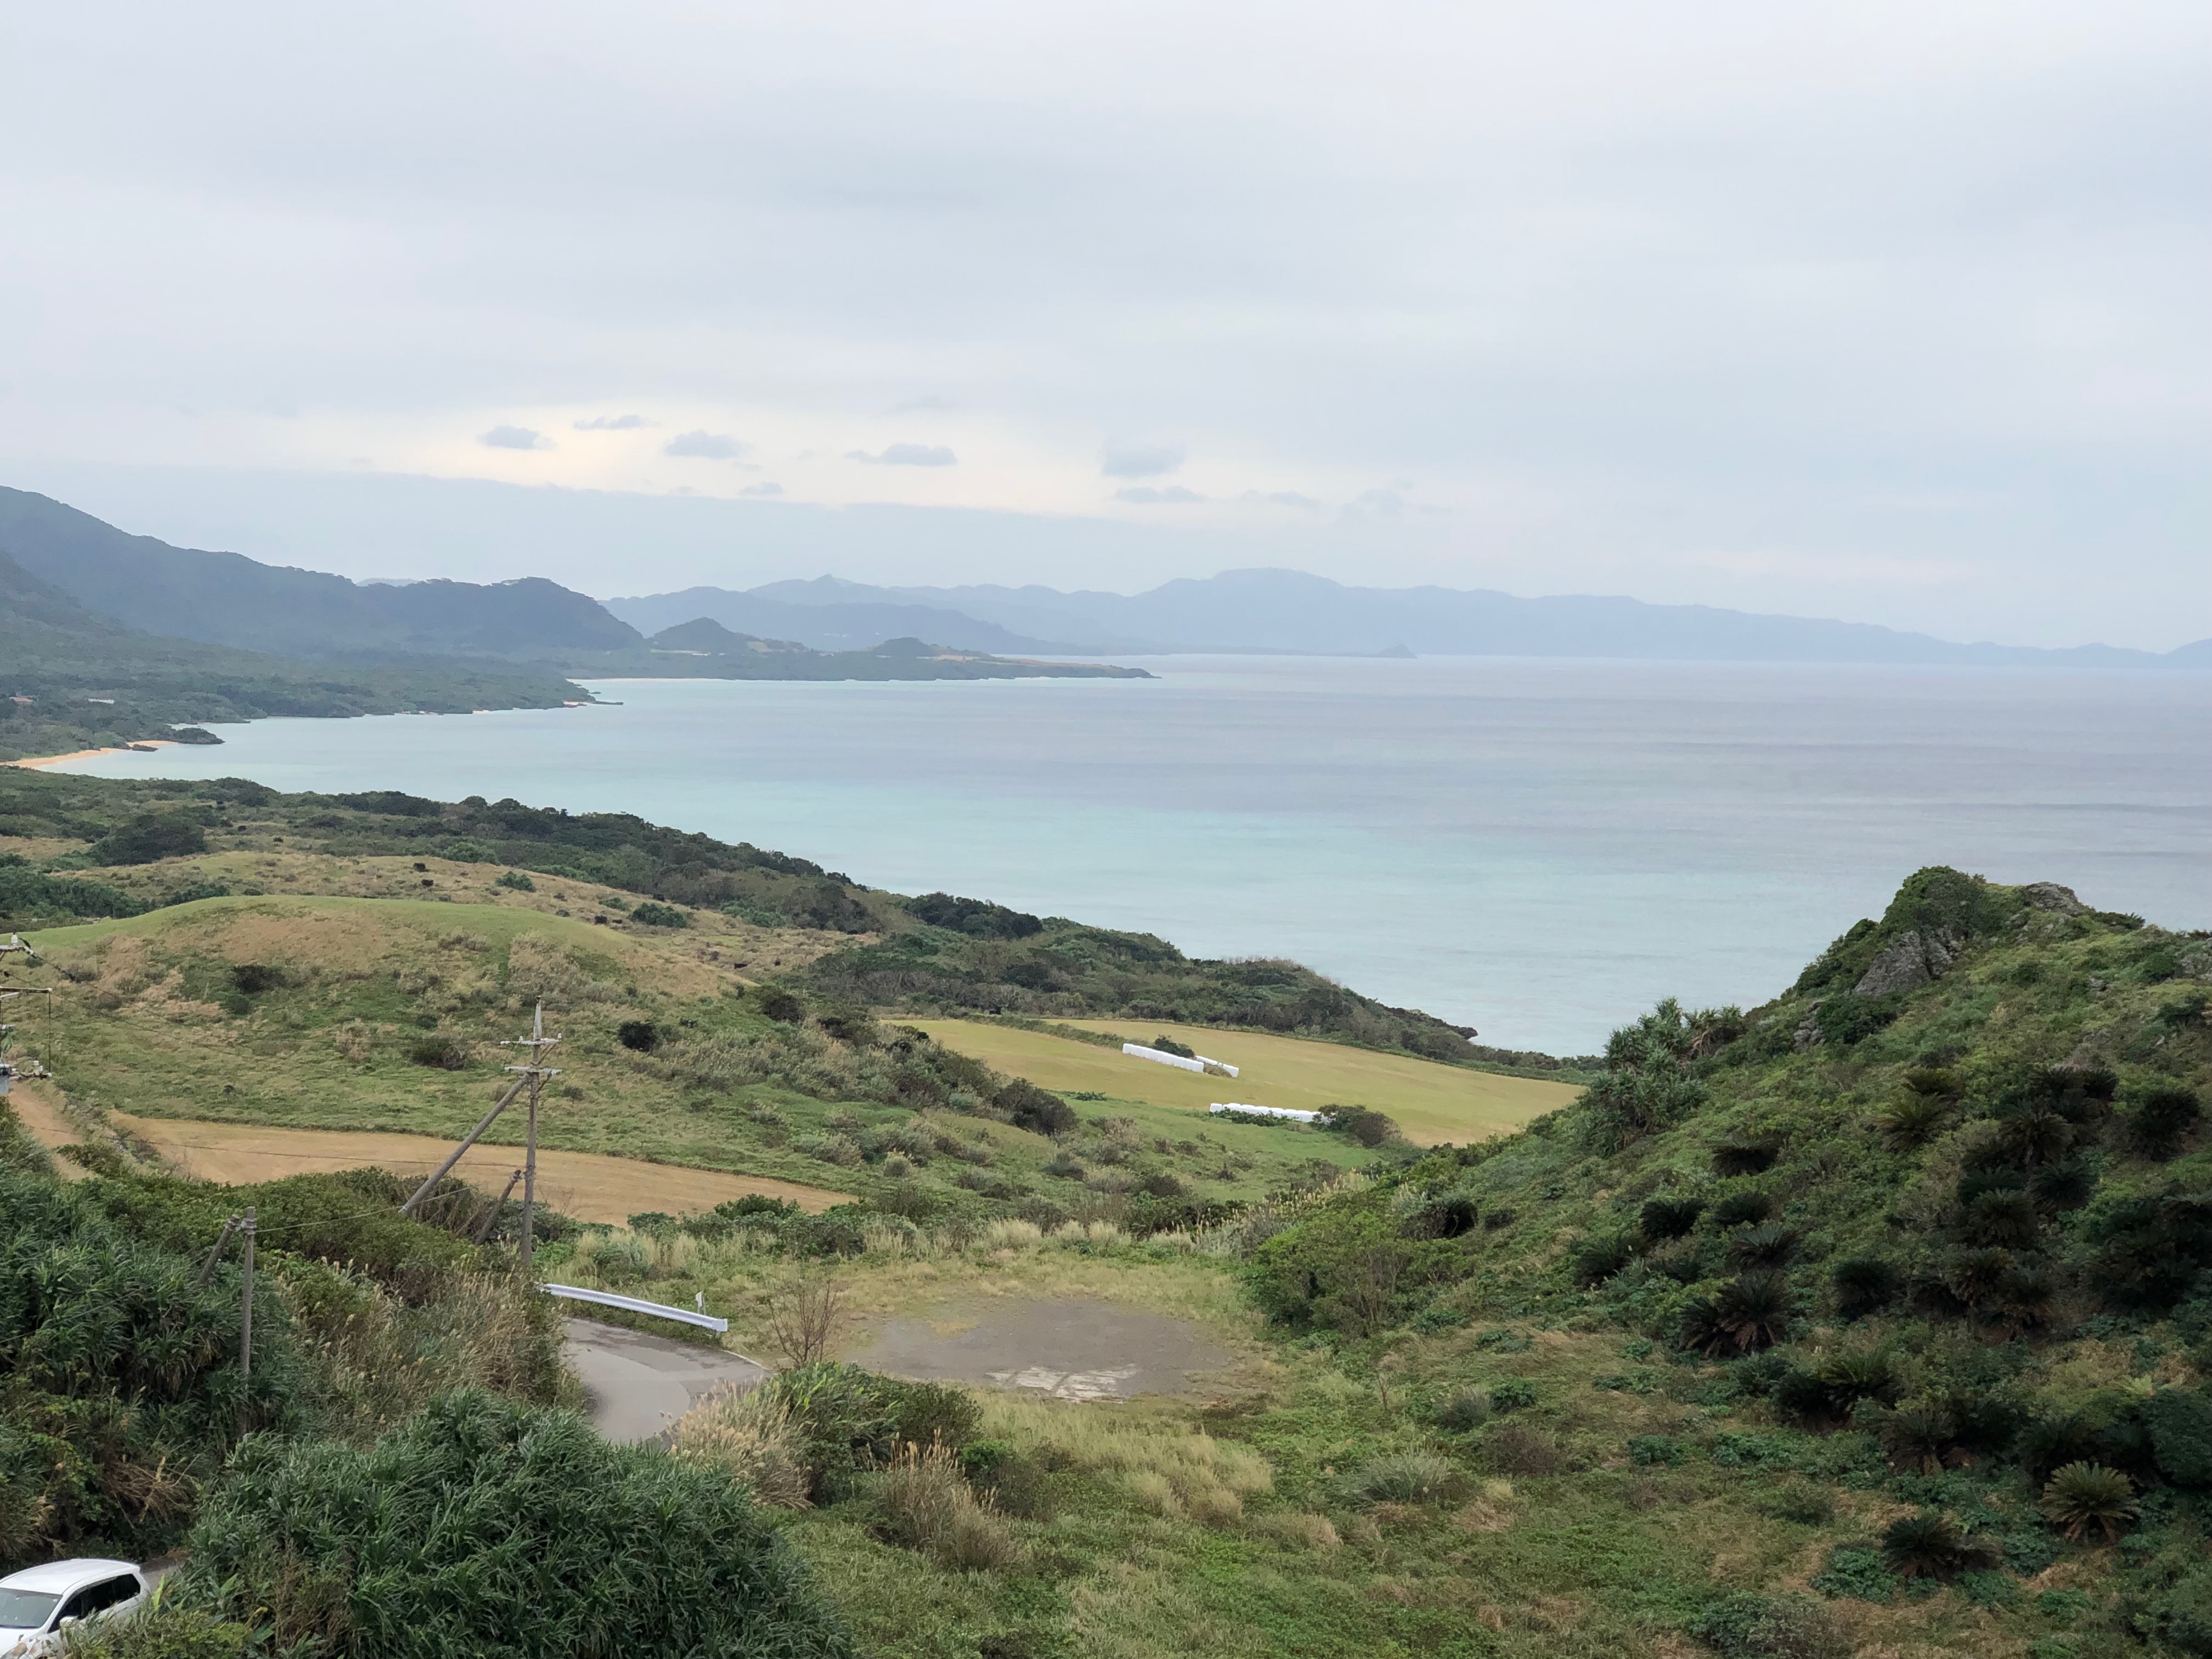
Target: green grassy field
[(150, 1022), (1432, 1103)]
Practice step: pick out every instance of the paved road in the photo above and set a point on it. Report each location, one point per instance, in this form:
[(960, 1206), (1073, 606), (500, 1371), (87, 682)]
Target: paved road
[(637, 1384)]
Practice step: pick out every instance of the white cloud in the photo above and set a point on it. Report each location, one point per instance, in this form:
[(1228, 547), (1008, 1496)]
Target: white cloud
[(1141, 460), (514, 437), (704, 446), (1280, 498), (907, 455), (613, 423), (1145, 495), (762, 489)]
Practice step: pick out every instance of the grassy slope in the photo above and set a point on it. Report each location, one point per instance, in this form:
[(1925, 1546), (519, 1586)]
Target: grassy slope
[(931, 956), (157, 1028), (1430, 1103)]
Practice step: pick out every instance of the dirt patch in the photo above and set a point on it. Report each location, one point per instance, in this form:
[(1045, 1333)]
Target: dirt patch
[(1065, 1350), (585, 1185)]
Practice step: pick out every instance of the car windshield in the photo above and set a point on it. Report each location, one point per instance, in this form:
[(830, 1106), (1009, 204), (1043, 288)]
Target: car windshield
[(22, 1609)]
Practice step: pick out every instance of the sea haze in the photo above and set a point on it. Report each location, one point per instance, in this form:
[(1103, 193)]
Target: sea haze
[(1539, 849)]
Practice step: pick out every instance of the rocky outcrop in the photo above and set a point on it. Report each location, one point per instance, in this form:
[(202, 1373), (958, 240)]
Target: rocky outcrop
[(2050, 895), (1910, 961)]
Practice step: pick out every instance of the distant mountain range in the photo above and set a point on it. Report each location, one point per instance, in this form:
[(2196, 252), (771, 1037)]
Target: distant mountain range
[(225, 598), (1287, 610)]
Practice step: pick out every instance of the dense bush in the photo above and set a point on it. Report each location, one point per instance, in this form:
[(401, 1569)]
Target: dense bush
[(484, 1526), (148, 837), (119, 1386)]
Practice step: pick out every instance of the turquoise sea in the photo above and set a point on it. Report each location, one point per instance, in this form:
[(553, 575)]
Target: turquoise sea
[(1539, 849)]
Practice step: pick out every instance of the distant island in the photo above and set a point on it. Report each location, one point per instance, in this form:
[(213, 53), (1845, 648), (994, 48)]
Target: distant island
[(703, 649)]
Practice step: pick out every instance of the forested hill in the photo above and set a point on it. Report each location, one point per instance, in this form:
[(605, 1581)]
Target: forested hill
[(937, 953), (226, 598), (72, 679)]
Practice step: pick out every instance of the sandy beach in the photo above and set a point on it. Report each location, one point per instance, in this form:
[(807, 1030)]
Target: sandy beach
[(37, 761)]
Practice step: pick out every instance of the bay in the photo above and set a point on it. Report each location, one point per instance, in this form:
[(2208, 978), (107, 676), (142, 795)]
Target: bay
[(1539, 849)]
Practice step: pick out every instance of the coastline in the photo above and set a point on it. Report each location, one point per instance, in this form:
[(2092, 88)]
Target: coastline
[(34, 761)]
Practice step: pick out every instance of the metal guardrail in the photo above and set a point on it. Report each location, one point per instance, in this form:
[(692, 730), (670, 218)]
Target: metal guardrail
[(608, 1300)]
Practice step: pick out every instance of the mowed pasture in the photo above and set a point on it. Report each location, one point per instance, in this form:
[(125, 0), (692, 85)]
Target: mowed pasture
[(1433, 1104)]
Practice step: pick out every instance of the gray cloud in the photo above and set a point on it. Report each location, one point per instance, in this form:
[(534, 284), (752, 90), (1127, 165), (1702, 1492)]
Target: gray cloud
[(1141, 460), (1632, 316), (1279, 498), (931, 405), (613, 423), (514, 437), (704, 446), (907, 455), (763, 488), (1145, 495)]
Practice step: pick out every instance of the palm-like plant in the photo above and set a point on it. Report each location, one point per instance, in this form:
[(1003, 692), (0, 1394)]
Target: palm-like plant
[(1662, 1219), (1768, 1246), (1929, 1545), (1744, 1157), (1919, 1436), (1753, 1311), (2081, 1495), (1865, 1285), (1912, 1121)]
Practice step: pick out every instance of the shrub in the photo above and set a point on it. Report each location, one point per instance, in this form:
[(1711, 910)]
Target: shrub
[(750, 1436), (2160, 1117), (441, 1053), (1749, 1625), (148, 838), (2180, 1425), (1515, 1448), (927, 1506), (620, 1261), (161, 1631), (782, 1005), (1447, 1215), (1865, 1285), (1362, 1124), (1930, 1545), (1652, 1450), (517, 881), (1414, 1477), (1662, 1219), (427, 1542), (1744, 1157), (1747, 1209), (639, 1036), (2081, 1496), (1599, 1259), (651, 914), (1514, 1393), (1028, 1107), (1168, 1045), (1462, 1409)]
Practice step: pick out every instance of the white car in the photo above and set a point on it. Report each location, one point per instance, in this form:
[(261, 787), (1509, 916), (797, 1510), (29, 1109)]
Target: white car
[(38, 1601)]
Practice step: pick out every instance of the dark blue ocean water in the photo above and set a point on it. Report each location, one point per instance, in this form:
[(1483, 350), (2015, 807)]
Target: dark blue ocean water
[(1539, 849)]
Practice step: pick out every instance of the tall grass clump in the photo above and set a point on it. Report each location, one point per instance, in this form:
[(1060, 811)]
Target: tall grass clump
[(486, 1527), (928, 1505), (751, 1437)]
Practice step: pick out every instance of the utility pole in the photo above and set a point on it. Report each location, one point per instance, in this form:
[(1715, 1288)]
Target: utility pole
[(534, 1072), (207, 1268), (498, 1209), (246, 1309)]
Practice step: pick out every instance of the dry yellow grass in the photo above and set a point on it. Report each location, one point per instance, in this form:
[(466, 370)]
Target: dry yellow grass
[(1433, 1104), (585, 1185)]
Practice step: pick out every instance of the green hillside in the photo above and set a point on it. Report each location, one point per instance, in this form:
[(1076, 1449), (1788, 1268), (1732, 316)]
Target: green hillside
[(76, 680), (934, 954)]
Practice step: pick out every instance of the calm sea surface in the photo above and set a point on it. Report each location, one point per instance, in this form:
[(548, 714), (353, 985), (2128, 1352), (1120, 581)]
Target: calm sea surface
[(1538, 849)]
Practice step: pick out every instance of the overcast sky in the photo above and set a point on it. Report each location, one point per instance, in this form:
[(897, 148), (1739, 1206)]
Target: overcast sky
[(1881, 310)]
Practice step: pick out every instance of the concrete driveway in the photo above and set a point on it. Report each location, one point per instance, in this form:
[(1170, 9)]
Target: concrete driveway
[(637, 1385)]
